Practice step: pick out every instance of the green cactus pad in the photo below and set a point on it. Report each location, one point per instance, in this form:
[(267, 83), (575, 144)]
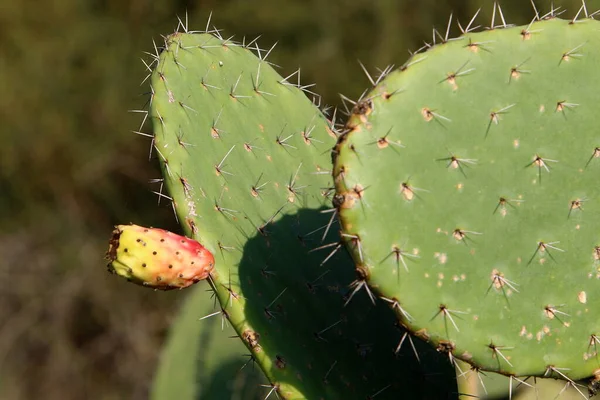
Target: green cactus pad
[(468, 188), (245, 159), (202, 359)]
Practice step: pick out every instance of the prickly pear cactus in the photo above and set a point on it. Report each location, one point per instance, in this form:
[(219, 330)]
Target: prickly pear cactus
[(468, 190), (245, 159)]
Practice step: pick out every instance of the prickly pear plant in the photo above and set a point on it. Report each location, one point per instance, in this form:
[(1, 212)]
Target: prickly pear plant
[(468, 192), (246, 161)]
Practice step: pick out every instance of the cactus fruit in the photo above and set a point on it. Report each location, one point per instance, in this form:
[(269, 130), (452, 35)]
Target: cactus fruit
[(157, 258), (245, 159), (467, 187)]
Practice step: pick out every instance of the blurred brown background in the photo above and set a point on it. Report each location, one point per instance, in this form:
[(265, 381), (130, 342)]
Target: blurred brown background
[(70, 168)]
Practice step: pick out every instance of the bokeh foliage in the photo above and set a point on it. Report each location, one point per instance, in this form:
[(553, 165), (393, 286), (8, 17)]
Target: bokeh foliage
[(70, 168)]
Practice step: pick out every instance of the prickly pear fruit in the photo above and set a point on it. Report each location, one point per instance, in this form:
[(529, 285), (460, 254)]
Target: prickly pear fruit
[(157, 258)]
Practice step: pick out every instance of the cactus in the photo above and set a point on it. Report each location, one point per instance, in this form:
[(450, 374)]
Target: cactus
[(467, 188), (157, 258), (245, 160), (463, 202)]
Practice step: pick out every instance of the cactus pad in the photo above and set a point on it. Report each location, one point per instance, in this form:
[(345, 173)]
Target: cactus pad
[(245, 160), (468, 190), (204, 360)]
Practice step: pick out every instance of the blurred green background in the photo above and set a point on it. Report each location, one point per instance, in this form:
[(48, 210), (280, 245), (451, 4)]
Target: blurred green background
[(70, 168)]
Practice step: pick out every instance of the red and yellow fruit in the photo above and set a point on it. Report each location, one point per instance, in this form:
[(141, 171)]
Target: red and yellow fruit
[(157, 258)]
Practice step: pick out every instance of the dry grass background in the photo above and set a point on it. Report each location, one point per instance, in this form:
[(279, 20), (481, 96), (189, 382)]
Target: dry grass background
[(70, 168)]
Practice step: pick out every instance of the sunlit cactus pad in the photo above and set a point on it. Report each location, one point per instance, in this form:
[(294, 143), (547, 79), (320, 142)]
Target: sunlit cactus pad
[(246, 161), (469, 191)]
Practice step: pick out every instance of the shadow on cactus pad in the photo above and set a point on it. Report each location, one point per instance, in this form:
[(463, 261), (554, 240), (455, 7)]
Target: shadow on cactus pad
[(337, 344)]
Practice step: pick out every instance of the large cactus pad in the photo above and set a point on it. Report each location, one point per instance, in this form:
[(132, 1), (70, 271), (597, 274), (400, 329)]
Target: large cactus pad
[(245, 158), (469, 191)]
